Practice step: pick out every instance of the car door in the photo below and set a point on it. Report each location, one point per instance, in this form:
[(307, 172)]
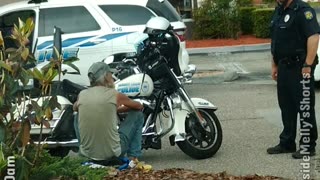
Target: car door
[(82, 28)]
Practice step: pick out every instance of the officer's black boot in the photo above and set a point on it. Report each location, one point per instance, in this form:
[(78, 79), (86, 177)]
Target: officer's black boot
[(278, 149)]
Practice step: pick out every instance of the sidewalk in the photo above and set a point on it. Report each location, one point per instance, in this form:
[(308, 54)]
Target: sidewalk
[(229, 49), (247, 43), (214, 72)]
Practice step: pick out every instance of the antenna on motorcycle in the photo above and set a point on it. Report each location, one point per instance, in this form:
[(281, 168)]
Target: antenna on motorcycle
[(57, 42)]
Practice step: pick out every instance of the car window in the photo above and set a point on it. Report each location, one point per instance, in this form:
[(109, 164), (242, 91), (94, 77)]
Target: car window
[(127, 15), (8, 21), (70, 19), (164, 9)]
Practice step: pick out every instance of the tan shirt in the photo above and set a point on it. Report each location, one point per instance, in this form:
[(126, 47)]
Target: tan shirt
[(98, 123)]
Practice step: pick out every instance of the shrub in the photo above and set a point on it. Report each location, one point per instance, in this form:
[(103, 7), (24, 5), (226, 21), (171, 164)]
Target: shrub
[(314, 4), (216, 19), (246, 19), (268, 1), (67, 168), (244, 3), (262, 19), (15, 108)]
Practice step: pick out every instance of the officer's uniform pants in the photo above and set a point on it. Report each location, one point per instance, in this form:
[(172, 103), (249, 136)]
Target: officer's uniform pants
[(296, 96)]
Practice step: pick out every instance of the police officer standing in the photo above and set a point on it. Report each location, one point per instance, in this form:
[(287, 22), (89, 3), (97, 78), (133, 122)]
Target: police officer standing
[(294, 44)]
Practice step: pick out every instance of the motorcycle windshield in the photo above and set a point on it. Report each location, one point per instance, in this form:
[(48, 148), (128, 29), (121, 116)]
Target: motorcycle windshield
[(136, 40)]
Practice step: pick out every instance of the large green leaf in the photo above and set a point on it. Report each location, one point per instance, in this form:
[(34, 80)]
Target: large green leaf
[(48, 113), (25, 54), (15, 32), (46, 67), (3, 162), (35, 105), (51, 74), (73, 67), (54, 74), (2, 76), (71, 60), (5, 66), (45, 103), (11, 50), (25, 135), (3, 165), (21, 23), (14, 88), (15, 56), (37, 74), (1, 101), (31, 59), (22, 168), (48, 74), (24, 77), (1, 39), (39, 110), (54, 103), (29, 26), (13, 108), (2, 134)]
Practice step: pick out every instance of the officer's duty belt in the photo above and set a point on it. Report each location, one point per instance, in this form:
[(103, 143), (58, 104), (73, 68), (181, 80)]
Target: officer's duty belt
[(291, 61)]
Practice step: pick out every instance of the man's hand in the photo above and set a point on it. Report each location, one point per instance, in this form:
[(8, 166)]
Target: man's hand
[(274, 72), (128, 103), (306, 72), (76, 106)]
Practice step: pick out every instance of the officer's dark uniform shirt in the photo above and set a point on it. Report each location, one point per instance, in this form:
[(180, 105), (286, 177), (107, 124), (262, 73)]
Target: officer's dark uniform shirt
[(290, 29)]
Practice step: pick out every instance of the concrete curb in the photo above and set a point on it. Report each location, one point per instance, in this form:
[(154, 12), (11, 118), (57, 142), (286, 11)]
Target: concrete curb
[(226, 76), (229, 49)]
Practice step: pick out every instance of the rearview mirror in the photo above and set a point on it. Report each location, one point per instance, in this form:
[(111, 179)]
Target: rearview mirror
[(109, 59)]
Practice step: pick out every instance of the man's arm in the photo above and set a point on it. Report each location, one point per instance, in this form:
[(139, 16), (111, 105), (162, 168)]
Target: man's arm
[(76, 105), (312, 48), (309, 27), (124, 103), (274, 70)]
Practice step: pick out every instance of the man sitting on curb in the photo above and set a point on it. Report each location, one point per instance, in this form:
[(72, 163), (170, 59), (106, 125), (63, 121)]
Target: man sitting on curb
[(100, 139)]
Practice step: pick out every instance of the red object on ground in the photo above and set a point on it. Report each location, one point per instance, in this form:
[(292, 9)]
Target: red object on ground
[(242, 40)]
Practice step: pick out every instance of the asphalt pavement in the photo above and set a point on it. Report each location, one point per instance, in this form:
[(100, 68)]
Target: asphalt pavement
[(249, 115)]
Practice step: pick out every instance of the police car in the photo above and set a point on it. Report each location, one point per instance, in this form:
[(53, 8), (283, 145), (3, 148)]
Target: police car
[(93, 29)]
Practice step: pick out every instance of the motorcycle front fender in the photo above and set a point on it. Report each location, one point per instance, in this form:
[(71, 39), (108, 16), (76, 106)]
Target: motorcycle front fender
[(181, 114), (200, 103)]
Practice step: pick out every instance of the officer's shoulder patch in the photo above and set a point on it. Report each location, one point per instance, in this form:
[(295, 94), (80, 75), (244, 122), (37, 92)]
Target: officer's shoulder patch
[(308, 15)]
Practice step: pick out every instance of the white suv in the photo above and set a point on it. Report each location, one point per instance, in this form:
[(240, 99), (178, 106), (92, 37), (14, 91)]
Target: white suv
[(93, 29)]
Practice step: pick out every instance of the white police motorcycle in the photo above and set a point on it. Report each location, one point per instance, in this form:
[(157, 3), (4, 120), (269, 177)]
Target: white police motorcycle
[(152, 76)]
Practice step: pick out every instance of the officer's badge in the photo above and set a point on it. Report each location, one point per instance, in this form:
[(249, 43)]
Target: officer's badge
[(308, 15), (286, 18)]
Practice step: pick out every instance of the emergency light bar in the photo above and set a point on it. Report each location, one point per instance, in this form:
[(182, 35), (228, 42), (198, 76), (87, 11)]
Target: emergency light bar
[(37, 1)]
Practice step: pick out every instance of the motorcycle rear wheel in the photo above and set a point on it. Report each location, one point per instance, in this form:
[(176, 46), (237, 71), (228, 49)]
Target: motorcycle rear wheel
[(200, 144)]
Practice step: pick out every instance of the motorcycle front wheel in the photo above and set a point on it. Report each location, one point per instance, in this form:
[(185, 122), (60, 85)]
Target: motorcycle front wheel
[(202, 143)]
